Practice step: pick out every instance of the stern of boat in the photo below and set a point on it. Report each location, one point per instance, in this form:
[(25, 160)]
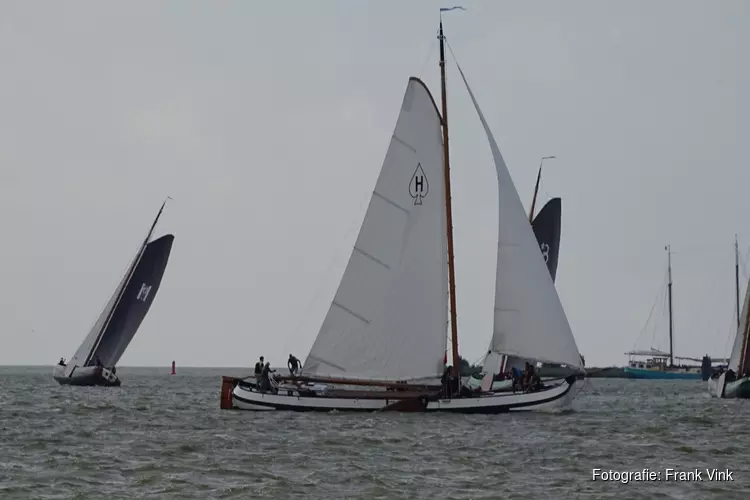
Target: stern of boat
[(227, 388), (108, 377)]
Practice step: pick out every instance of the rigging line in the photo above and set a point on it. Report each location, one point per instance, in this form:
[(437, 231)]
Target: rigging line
[(732, 332), (744, 263), (653, 306), (664, 313), (450, 49), (732, 327), (430, 51)]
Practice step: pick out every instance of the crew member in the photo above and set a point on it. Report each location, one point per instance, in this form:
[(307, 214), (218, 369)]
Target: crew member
[(293, 364), (258, 371)]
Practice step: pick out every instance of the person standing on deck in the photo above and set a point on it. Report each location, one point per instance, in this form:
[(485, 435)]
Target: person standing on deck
[(446, 382), (293, 364), (517, 377), (265, 378), (258, 370)]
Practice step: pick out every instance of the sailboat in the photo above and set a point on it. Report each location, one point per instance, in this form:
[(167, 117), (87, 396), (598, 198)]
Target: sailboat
[(656, 366), (735, 381), (94, 361), (382, 344)]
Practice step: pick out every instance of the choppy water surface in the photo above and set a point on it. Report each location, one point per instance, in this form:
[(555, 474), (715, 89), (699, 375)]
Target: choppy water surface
[(161, 436)]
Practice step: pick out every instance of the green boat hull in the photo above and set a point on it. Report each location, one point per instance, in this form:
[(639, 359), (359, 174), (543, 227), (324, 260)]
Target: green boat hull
[(739, 388)]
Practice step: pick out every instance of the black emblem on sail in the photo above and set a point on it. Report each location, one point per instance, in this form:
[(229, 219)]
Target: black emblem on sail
[(418, 187)]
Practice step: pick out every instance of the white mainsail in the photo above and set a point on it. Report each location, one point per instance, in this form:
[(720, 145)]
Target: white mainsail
[(389, 317), (529, 318), (734, 359)]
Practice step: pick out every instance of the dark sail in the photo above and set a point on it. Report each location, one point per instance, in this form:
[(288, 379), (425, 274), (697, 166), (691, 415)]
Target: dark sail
[(134, 302), (547, 225), (86, 355)]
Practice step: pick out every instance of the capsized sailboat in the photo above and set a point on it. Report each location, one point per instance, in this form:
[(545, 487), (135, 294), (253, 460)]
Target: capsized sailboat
[(94, 361), (735, 381), (382, 343)]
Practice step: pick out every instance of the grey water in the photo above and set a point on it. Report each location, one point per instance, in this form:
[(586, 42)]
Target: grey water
[(164, 437)]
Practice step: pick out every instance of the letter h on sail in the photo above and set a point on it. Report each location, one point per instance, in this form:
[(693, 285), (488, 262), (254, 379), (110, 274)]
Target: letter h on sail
[(418, 187)]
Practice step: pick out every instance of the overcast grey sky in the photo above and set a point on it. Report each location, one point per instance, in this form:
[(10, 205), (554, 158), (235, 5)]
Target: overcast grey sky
[(267, 122)]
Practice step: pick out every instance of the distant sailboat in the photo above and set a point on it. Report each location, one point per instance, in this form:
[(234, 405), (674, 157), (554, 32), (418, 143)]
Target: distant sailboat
[(656, 366), (735, 381), (94, 361), (386, 325)]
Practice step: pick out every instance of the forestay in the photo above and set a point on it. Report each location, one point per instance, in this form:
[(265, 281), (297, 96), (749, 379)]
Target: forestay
[(389, 316), (529, 320), (84, 351)]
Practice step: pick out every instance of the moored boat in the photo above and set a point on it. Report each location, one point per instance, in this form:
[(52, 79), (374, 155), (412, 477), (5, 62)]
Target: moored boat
[(659, 364)]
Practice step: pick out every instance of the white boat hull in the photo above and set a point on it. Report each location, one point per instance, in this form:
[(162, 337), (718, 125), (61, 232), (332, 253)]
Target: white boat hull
[(559, 397), (720, 388)]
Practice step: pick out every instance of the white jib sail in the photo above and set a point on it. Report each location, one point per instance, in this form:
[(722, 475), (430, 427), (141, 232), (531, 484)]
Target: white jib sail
[(529, 318)]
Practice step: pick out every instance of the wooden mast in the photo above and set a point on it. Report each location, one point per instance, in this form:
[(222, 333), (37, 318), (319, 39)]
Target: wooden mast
[(671, 323), (449, 212)]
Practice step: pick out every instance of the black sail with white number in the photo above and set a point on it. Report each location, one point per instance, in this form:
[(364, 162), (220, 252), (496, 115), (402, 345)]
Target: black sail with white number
[(135, 302), (122, 316), (547, 225)]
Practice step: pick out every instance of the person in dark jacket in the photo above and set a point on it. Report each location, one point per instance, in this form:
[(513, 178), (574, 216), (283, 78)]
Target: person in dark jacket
[(293, 364), (258, 371), (265, 378)]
